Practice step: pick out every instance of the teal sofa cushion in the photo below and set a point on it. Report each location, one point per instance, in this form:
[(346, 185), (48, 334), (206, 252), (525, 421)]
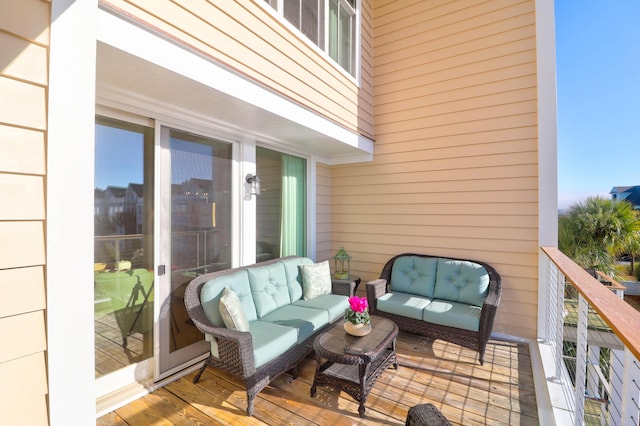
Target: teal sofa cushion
[(403, 304), (305, 320), (294, 277), (212, 292), (270, 340), (334, 304), (453, 314), (269, 288), (461, 281), (415, 275)]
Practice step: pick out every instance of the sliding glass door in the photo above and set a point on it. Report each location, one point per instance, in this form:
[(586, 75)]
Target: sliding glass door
[(164, 214), (195, 234), (123, 280)]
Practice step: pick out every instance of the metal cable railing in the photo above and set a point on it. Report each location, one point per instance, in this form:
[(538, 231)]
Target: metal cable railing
[(595, 338)]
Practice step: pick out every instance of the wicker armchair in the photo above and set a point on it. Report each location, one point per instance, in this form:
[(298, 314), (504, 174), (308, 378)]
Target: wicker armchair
[(235, 351), (475, 340)]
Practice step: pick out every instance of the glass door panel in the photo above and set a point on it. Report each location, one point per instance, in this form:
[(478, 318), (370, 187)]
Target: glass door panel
[(123, 245), (196, 210), (281, 207)]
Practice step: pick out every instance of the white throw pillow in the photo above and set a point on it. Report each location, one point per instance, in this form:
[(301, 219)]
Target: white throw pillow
[(316, 280), (231, 311)]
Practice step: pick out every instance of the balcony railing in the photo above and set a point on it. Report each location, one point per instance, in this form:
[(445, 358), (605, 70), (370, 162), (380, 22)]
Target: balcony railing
[(590, 346)]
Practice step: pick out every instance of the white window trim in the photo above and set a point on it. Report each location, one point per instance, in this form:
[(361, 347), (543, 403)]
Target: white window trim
[(70, 132), (324, 52)]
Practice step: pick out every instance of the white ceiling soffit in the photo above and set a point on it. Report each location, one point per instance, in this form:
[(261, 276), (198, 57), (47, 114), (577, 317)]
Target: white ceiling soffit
[(157, 76)]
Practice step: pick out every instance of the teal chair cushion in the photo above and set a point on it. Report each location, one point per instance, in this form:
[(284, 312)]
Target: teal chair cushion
[(461, 281), (403, 304), (294, 277), (334, 304), (269, 288), (212, 292), (306, 320), (415, 275), (453, 314), (270, 340)]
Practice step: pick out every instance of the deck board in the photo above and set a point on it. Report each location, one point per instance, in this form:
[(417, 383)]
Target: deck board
[(501, 392)]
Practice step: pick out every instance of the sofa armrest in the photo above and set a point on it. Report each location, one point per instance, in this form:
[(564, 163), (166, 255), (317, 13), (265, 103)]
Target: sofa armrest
[(235, 348), (490, 306), (375, 289)]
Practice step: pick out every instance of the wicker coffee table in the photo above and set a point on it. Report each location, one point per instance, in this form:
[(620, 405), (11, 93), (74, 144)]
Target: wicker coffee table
[(353, 364)]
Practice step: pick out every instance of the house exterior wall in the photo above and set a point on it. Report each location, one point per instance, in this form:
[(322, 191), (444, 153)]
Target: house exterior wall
[(24, 37), (248, 37), (455, 169), (456, 158), (323, 213)]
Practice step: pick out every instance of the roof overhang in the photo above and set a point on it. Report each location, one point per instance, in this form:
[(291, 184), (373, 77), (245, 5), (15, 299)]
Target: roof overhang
[(158, 76)]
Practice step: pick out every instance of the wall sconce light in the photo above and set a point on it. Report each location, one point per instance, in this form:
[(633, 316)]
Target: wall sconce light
[(251, 186)]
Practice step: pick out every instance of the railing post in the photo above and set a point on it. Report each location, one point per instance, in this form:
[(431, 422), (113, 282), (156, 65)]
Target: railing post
[(593, 365), (631, 390), (617, 367), (544, 298), (117, 250), (197, 249), (559, 323), (581, 359)]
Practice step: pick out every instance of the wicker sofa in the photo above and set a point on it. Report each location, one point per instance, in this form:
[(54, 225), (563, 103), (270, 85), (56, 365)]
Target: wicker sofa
[(282, 321), (440, 298)]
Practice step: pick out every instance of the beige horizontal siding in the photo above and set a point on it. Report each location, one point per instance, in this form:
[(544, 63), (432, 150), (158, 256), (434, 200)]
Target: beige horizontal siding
[(30, 111), (323, 213), (22, 395), (30, 21), (455, 170), (249, 39), (26, 194), (23, 150), (15, 284), (24, 37)]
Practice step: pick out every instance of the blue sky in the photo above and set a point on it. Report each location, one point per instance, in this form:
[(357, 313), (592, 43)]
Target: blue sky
[(598, 77)]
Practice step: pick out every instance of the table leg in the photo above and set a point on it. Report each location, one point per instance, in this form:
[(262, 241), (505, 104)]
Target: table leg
[(315, 376), (395, 357), (364, 372)]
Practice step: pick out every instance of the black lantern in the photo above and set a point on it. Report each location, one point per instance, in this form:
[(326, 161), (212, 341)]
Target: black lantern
[(342, 264)]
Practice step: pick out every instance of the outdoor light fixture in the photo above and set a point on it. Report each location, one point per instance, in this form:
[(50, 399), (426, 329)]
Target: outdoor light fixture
[(251, 186)]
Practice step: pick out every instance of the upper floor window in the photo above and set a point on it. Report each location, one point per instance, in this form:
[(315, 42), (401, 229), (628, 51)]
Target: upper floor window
[(315, 18)]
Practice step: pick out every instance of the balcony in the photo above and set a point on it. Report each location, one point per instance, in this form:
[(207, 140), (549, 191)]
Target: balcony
[(583, 370)]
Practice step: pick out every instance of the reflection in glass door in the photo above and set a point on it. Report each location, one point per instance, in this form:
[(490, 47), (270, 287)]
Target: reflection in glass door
[(123, 245), (195, 209)]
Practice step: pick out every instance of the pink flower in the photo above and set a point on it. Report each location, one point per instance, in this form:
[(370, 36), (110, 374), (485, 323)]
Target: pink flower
[(358, 304)]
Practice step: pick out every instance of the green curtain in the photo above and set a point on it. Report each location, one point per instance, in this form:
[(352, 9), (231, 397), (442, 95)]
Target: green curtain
[(333, 30), (293, 235)]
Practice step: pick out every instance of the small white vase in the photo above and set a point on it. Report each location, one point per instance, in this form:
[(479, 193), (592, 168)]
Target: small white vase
[(357, 329)]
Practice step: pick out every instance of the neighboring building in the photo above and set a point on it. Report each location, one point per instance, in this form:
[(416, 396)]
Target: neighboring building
[(426, 127), (133, 203), (631, 194)]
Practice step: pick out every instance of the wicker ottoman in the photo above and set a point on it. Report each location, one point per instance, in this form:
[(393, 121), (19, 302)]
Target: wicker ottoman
[(426, 415)]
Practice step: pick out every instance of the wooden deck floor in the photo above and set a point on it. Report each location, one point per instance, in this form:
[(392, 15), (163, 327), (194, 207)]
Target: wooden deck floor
[(499, 393)]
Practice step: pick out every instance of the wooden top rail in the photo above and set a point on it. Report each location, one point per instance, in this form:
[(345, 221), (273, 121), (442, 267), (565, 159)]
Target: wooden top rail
[(615, 285), (623, 319)]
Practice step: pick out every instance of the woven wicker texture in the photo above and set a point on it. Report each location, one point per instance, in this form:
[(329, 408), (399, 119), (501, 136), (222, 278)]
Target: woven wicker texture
[(469, 339), (235, 347)]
